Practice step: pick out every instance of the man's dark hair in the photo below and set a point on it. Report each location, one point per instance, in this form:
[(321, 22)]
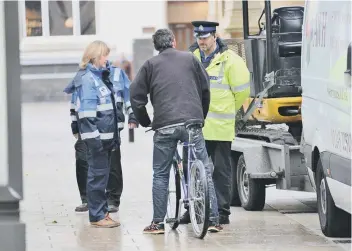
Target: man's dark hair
[(163, 39)]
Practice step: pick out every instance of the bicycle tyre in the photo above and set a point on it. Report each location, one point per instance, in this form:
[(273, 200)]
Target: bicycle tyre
[(198, 167), (173, 216)]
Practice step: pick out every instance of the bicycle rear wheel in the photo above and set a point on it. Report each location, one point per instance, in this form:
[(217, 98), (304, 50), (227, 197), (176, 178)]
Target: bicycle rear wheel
[(174, 196), (199, 202)]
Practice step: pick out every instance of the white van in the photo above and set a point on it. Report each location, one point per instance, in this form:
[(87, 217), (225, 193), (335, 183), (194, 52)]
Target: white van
[(326, 110)]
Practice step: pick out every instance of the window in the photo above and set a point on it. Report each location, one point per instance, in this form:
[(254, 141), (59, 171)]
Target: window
[(59, 18), (33, 18), (87, 17)]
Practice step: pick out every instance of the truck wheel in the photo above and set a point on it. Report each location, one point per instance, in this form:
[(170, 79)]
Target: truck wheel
[(235, 198), (334, 222), (251, 191)]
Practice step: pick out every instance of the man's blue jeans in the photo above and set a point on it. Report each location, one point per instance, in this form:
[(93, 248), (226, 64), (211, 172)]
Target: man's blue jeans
[(165, 143)]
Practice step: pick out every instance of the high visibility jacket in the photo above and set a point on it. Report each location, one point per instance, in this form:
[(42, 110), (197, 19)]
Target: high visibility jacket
[(96, 105), (229, 88)]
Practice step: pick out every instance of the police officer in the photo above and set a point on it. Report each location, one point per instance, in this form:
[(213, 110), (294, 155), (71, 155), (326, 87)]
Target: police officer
[(229, 88), (115, 183), (81, 158), (98, 90)]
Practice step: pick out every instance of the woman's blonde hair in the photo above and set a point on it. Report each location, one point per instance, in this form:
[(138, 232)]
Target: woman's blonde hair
[(93, 52)]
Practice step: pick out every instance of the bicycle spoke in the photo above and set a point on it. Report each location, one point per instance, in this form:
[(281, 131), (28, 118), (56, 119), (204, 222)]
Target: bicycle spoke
[(198, 204)]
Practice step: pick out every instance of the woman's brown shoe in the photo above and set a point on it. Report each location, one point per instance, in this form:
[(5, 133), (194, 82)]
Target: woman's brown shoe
[(107, 222)]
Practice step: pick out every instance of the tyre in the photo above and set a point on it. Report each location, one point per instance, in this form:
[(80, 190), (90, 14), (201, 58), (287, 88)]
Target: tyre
[(334, 222), (174, 196), (199, 203), (235, 197), (251, 191)]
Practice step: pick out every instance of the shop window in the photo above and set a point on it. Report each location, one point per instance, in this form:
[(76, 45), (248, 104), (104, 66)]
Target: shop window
[(34, 18), (87, 17), (59, 18)]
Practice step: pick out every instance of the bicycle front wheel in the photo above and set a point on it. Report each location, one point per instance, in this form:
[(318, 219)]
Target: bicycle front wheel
[(199, 199)]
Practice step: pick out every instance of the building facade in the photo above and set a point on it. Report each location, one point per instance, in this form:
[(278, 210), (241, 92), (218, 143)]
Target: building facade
[(54, 34), (180, 14)]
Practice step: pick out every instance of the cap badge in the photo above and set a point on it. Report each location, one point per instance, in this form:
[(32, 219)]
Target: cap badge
[(201, 28)]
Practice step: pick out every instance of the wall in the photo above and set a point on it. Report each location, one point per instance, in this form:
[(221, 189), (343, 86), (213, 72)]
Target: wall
[(180, 16), (186, 12), (122, 21)]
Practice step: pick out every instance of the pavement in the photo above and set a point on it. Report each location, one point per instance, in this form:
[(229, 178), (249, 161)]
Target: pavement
[(288, 222)]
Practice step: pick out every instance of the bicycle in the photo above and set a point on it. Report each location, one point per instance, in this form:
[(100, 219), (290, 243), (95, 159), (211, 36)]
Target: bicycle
[(197, 178)]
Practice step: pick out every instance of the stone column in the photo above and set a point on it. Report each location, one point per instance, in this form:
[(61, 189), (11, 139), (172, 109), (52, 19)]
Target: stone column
[(213, 13), (12, 230)]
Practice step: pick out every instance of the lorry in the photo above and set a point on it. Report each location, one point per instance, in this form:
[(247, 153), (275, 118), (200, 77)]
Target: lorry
[(300, 66)]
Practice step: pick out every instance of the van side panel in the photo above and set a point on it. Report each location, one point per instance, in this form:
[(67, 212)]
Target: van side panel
[(326, 95)]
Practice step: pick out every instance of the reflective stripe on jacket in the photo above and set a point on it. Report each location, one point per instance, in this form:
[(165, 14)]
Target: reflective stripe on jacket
[(229, 88)]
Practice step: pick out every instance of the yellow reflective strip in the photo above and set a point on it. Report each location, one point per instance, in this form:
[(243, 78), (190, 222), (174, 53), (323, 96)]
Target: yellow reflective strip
[(240, 87), (220, 86)]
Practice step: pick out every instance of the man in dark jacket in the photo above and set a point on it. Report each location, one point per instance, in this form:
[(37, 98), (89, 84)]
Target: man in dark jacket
[(179, 91)]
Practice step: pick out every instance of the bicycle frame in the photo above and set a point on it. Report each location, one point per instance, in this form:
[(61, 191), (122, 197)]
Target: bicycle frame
[(191, 156), (189, 197)]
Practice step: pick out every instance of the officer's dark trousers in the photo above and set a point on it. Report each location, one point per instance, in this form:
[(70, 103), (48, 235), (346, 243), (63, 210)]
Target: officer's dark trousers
[(97, 181), (115, 182), (81, 169), (220, 153)]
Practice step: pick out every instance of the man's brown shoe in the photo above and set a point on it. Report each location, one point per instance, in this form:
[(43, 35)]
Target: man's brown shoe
[(107, 222)]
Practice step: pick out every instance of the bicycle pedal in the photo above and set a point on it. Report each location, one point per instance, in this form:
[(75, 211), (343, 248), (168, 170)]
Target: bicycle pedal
[(173, 220)]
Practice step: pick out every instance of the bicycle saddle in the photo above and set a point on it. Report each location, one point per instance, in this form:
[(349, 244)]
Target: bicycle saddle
[(194, 122)]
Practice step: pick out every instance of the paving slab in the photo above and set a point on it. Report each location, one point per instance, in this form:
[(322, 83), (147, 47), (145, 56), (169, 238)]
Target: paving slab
[(51, 194)]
